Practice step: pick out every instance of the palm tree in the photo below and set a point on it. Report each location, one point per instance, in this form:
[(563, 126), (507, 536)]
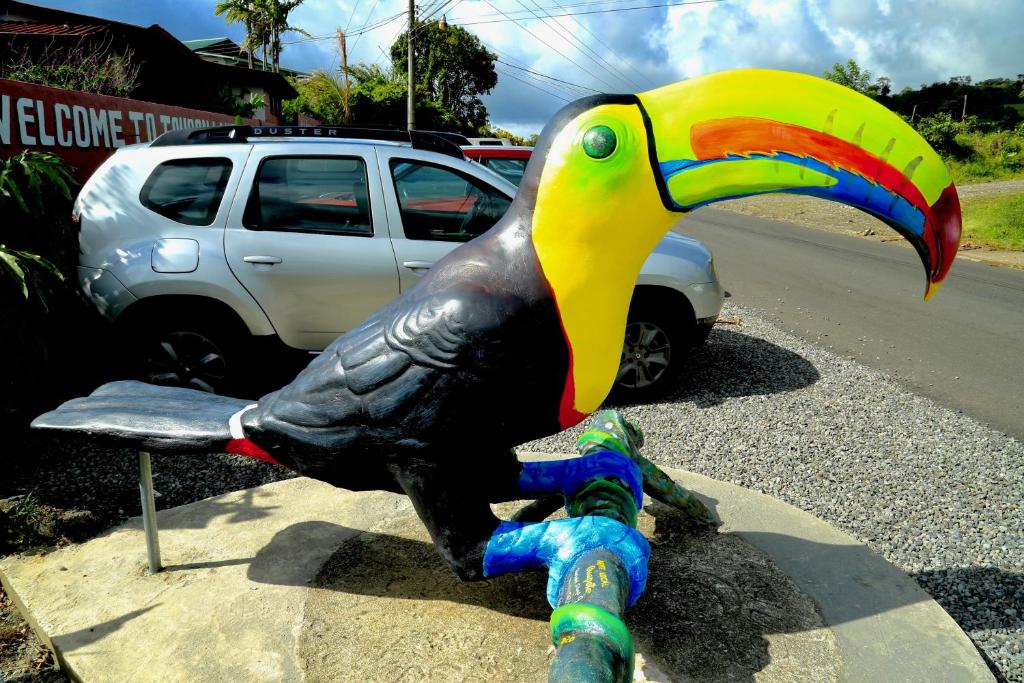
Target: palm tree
[(240, 12), (278, 12)]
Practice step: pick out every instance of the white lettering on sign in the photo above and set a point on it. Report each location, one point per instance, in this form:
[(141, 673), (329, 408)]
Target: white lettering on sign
[(165, 121), (5, 119), (24, 118), (136, 118), (98, 124), (115, 127), (150, 127), (80, 120), (44, 139), (62, 112)]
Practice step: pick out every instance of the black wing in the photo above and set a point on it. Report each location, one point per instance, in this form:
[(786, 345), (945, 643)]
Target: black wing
[(148, 417), (391, 384)]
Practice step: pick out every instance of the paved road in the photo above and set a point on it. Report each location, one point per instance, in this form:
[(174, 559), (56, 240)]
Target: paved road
[(863, 299)]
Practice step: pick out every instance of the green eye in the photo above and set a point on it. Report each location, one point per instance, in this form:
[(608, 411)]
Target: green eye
[(599, 142)]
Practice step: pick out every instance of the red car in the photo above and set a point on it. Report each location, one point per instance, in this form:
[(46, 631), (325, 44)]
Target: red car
[(508, 162)]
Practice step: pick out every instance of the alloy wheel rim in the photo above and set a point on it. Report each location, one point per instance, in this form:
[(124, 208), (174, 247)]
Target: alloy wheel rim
[(186, 359), (646, 354)]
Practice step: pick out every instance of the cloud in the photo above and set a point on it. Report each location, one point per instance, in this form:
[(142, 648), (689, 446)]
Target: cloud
[(911, 41)]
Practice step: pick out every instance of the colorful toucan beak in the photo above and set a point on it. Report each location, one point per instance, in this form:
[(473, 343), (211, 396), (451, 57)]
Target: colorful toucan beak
[(753, 131)]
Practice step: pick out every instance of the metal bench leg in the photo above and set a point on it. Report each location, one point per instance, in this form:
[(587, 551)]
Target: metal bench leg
[(149, 512)]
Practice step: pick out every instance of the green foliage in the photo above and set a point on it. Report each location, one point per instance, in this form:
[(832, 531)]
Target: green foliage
[(491, 132), (992, 155), (87, 67), (227, 102), (995, 221), (41, 331), (265, 21), (453, 67), (941, 131), (25, 523), (28, 183), (853, 76), (993, 102), (318, 98), (376, 98)]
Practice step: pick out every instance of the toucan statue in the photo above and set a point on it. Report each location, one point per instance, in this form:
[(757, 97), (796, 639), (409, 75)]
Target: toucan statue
[(518, 334)]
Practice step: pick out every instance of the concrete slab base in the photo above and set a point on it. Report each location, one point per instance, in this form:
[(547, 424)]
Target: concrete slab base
[(300, 581)]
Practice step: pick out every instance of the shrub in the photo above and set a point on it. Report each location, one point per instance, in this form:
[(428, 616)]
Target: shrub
[(941, 131), (47, 327), (87, 66)]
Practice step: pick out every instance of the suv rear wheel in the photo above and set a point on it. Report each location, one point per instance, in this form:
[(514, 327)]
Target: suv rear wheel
[(188, 342), (191, 358)]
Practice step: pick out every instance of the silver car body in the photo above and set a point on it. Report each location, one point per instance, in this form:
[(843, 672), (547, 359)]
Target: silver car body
[(306, 288)]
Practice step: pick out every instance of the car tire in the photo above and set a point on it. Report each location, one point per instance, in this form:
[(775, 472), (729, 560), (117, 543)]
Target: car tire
[(659, 338), (195, 354)]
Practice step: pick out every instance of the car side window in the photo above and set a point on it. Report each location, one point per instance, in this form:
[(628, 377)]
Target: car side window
[(510, 169), (440, 204), (319, 194), (187, 191)]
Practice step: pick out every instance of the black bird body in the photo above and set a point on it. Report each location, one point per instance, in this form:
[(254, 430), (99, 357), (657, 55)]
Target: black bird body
[(472, 356)]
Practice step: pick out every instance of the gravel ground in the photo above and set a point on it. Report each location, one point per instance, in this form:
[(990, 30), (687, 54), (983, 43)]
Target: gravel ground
[(931, 490), (934, 492)]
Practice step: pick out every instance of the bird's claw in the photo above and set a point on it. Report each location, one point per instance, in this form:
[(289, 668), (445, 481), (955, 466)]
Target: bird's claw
[(610, 431)]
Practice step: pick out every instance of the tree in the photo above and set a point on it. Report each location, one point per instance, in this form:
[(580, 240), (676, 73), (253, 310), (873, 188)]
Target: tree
[(850, 75), (854, 77), (492, 132), (265, 22), (277, 19), (453, 67), (319, 98), (240, 12)]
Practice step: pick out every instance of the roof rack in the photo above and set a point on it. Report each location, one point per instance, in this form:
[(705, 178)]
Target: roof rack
[(431, 141)]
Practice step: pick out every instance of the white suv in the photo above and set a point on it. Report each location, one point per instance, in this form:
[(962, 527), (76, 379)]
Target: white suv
[(204, 243)]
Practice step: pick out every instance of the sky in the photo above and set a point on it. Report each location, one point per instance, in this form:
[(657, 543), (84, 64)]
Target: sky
[(913, 42)]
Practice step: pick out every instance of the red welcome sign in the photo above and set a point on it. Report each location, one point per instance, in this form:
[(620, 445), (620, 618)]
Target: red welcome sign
[(84, 128)]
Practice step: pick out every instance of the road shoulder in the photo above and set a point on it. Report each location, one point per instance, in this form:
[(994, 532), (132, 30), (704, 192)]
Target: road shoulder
[(810, 212)]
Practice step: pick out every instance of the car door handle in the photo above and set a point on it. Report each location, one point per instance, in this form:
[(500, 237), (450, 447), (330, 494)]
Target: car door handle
[(268, 260), (418, 265)]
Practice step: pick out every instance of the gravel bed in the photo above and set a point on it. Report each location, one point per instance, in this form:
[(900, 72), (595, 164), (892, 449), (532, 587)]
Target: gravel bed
[(934, 492)]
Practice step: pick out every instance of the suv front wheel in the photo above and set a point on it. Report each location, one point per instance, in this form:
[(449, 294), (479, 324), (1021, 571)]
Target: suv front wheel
[(660, 333)]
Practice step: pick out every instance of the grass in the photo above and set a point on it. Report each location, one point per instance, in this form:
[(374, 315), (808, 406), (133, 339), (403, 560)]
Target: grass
[(995, 221), (997, 155)]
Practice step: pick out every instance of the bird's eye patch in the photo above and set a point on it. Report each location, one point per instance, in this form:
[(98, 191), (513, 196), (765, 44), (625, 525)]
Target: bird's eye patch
[(599, 142)]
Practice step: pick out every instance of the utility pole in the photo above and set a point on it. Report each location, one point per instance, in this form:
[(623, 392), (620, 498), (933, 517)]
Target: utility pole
[(411, 108), (346, 109), (963, 114)]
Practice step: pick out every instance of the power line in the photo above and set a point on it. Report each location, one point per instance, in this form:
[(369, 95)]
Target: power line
[(581, 88), (552, 47), (650, 83), (507, 17), (532, 85), (352, 16), (365, 28), (585, 49), (358, 37), (596, 11)]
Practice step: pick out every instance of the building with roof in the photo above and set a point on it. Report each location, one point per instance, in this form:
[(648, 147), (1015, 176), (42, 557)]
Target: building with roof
[(168, 71), (223, 50)]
